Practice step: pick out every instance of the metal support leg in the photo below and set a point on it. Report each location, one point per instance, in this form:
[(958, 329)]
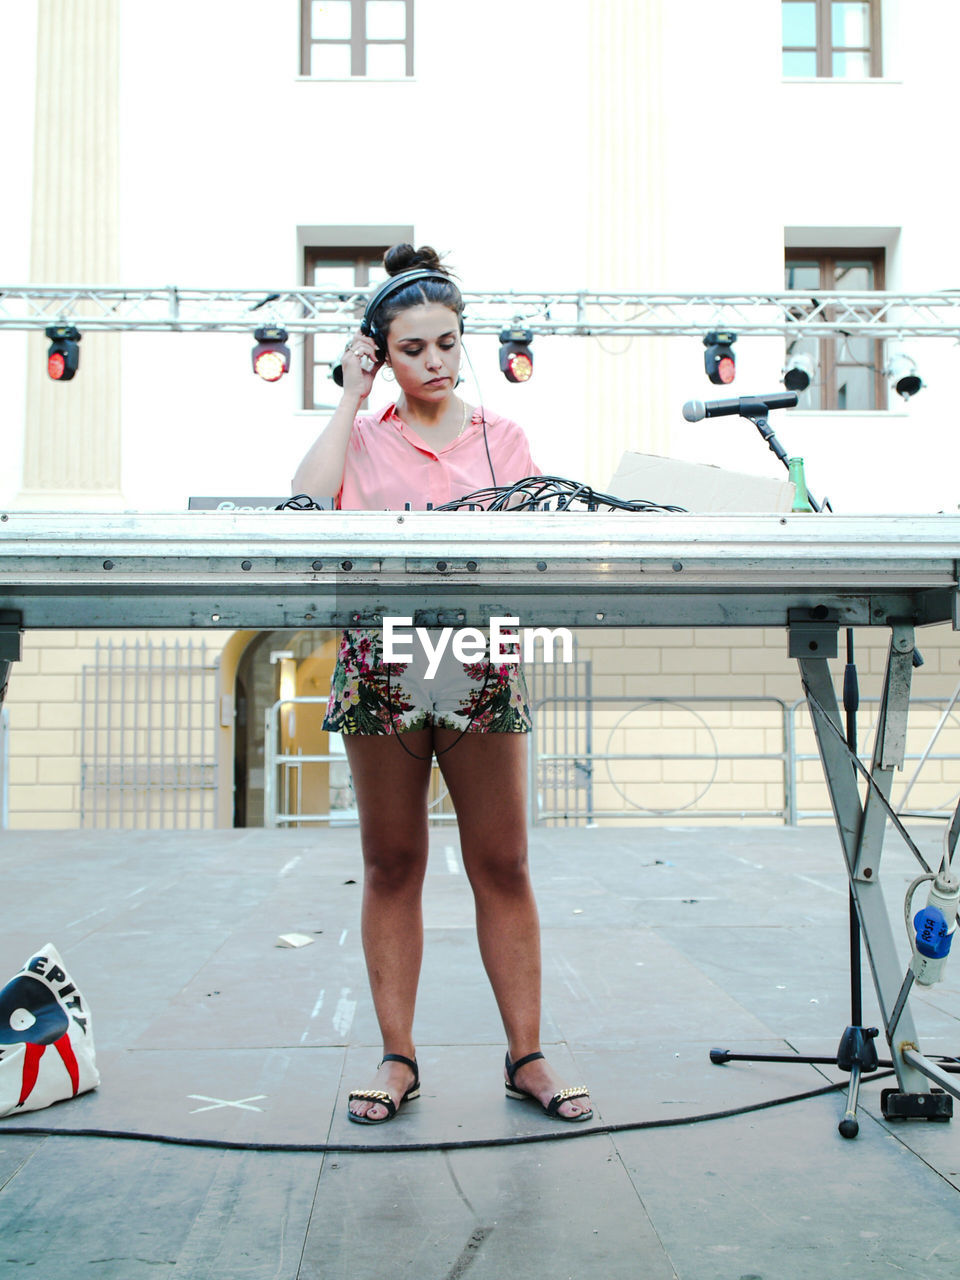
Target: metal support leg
[(11, 651), (861, 827), (857, 1053), (888, 751)]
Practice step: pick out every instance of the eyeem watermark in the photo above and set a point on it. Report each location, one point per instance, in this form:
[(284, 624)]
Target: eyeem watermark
[(469, 644)]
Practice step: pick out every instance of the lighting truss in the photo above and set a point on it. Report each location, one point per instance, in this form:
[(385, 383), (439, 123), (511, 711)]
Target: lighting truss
[(579, 314)]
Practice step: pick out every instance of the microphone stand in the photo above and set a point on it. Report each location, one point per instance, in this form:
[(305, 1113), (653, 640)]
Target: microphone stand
[(857, 1052), (759, 420)]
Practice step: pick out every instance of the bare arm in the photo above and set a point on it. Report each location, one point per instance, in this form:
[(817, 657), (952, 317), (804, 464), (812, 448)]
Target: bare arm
[(321, 471)]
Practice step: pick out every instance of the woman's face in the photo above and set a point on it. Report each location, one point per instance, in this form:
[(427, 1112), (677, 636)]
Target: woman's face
[(423, 347)]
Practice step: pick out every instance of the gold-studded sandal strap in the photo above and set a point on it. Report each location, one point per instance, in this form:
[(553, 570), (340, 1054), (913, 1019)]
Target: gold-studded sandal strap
[(566, 1095), (373, 1095)]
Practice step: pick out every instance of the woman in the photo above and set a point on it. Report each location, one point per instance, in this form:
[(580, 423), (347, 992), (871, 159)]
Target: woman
[(431, 447)]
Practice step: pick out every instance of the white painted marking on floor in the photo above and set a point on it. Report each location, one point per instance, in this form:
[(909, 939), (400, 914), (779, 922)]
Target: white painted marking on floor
[(88, 916), (240, 1103), (316, 1009), (343, 937), (450, 853), (570, 977), (288, 866), (343, 1014), (818, 884), (136, 891)]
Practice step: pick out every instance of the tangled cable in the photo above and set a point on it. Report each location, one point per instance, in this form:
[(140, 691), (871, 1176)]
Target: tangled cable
[(549, 493), (533, 493), (300, 502)]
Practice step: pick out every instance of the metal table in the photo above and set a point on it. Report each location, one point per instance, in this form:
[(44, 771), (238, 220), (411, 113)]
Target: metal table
[(278, 570)]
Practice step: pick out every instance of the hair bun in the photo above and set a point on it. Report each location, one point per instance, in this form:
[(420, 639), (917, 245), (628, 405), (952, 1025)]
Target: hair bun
[(404, 257)]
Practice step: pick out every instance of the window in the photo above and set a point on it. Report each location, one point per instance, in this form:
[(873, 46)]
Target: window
[(342, 39), (348, 268), (833, 39), (847, 372)]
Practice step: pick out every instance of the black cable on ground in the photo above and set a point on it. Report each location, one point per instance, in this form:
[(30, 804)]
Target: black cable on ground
[(465, 1144)]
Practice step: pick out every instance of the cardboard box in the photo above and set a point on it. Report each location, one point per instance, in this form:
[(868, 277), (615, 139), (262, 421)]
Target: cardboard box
[(696, 486)]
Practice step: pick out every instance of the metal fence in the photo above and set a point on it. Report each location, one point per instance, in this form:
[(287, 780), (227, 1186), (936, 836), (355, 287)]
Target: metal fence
[(657, 758), (561, 779), (148, 751), (148, 736), (662, 759), (285, 772), (624, 758), (931, 768), (285, 777)]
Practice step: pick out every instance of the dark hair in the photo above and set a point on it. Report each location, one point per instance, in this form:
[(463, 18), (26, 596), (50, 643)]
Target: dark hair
[(403, 257)]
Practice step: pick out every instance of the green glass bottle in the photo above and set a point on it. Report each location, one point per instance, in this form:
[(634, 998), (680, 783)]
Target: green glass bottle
[(801, 499)]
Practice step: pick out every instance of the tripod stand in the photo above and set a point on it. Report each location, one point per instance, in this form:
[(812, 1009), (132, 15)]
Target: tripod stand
[(857, 1051)]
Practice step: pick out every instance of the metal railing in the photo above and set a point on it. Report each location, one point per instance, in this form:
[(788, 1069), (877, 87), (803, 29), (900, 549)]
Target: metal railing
[(944, 810), (148, 736), (580, 766), (588, 761), (283, 778), (579, 313), (282, 775)]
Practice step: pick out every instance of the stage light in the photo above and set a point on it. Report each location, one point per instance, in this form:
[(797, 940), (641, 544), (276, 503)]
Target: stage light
[(63, 357), (797, 373), (718, 358), (516, 358), (902, 372), (271, 358)]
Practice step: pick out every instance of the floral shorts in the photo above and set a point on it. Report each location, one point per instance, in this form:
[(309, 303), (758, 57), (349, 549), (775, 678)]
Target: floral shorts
[(369, 696)]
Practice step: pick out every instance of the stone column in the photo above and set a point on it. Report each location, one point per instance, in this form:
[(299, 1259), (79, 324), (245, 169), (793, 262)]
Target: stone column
[(72, 430), (627, 199)]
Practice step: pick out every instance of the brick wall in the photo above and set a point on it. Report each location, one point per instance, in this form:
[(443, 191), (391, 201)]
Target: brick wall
[(724, 666)]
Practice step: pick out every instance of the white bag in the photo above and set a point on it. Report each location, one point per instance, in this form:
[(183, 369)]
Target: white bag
[(46, 1037)]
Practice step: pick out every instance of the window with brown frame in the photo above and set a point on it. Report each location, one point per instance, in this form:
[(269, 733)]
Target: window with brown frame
[(348, 268), (831, 39), (847, 371), (350, 39)]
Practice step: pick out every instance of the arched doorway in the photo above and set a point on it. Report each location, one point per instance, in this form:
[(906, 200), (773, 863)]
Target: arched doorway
[(278, 665), (277, 683)]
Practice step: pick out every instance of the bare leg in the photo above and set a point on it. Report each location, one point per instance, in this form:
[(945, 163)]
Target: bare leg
[(391, 787), (486, 777)]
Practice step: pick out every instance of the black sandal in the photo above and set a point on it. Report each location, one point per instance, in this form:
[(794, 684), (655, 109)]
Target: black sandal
[(381, 1096), (552, 1108)]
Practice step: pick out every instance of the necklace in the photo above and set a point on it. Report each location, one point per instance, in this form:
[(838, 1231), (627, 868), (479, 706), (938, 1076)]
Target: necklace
[(466, 419), (463, 423)]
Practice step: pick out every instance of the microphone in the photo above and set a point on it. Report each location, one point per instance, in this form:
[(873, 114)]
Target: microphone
[(745, 406)]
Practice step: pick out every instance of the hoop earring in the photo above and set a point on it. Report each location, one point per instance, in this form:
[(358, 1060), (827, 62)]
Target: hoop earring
[(387, 374)]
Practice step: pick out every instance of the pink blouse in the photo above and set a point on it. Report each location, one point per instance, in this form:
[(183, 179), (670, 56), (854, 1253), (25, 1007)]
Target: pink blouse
[(388, 464)]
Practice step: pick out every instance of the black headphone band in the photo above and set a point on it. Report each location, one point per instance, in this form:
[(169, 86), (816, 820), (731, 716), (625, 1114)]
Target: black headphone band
[(386, 290), (396, 284)]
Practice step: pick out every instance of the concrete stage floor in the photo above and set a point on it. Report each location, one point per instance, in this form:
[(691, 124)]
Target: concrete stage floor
[(659, 943)]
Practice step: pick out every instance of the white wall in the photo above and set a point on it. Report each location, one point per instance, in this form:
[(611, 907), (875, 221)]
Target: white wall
[(225, 150), (17, 77), (815, 154)]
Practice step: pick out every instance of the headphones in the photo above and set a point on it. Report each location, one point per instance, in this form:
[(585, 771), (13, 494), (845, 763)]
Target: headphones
[(395, 284)]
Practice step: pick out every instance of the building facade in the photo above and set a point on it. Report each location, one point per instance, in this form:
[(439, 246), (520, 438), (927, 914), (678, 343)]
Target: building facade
[(631, 147)]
